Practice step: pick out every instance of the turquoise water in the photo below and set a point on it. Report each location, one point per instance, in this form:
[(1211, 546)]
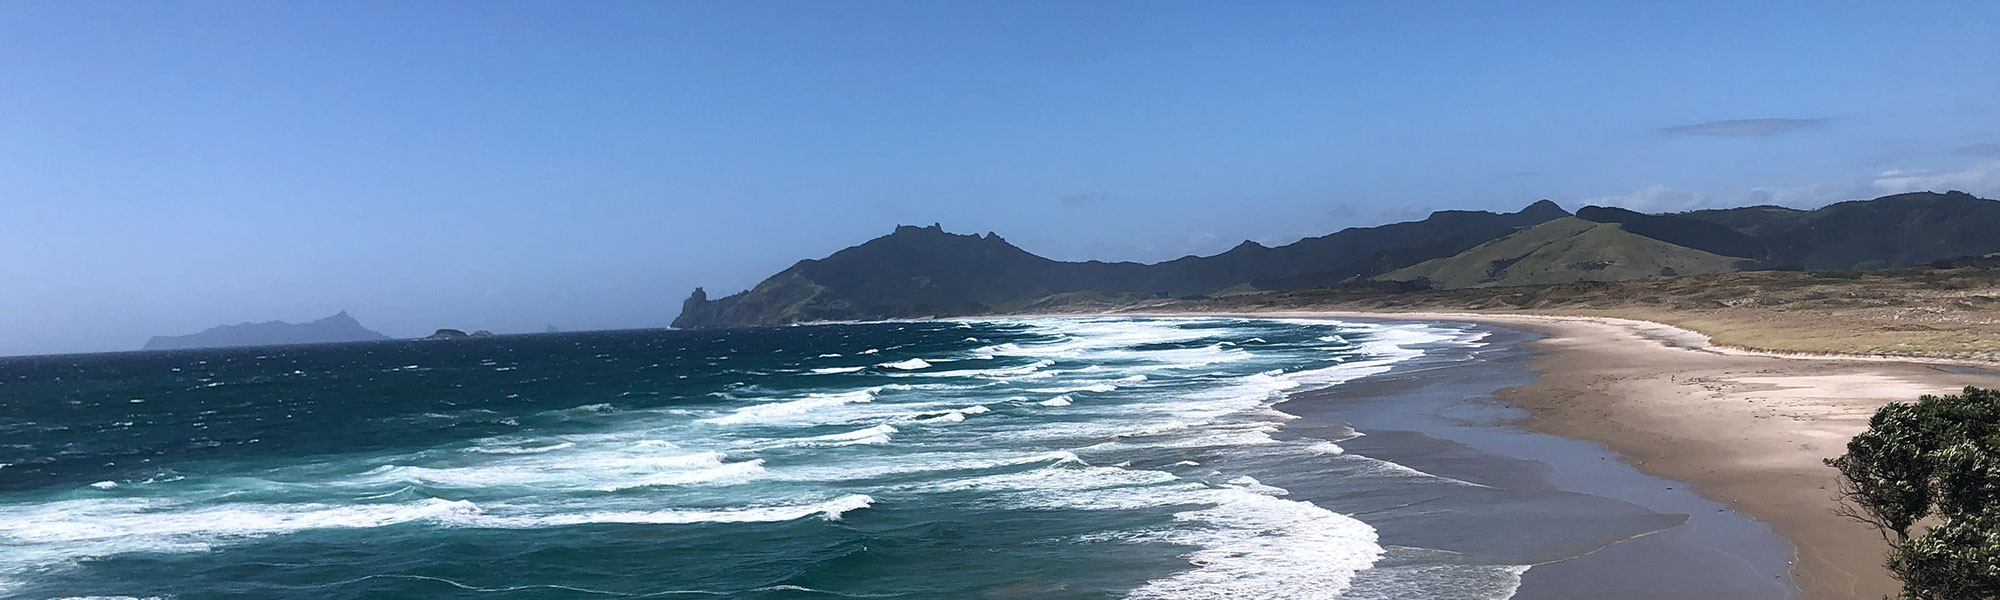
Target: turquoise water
[(1027, 458)]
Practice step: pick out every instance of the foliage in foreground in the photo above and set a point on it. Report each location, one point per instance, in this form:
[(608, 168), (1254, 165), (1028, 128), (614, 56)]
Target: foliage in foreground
[(1927, 474)]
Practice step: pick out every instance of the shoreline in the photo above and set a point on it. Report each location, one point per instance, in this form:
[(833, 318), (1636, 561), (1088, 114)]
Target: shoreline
[(1573, 519), (1745, 430)]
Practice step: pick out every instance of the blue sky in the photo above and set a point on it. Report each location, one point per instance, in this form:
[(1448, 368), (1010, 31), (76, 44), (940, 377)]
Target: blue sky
[(168, 166)]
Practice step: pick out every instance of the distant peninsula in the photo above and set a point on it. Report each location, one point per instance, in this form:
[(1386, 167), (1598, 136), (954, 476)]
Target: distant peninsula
[(337, 328)]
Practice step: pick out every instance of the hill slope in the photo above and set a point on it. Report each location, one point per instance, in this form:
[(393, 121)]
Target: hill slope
[(913, 272), (924, 271), (1680, 230), (337, 328), (1563, 251), (1887, 232)]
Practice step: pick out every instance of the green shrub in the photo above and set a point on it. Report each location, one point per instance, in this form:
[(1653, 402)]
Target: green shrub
[(1935, 465)]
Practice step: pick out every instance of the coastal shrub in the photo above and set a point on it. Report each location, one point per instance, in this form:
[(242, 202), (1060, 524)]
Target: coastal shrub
[(1927, 474)]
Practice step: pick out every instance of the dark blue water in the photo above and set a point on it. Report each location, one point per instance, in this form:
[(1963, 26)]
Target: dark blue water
[(1040, 458)]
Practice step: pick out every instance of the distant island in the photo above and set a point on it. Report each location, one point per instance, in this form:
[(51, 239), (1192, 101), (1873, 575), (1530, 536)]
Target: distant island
[(457, 334), (337, 328), (918, 272)]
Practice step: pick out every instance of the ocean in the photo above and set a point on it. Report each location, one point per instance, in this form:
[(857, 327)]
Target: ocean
[(1136, 458)]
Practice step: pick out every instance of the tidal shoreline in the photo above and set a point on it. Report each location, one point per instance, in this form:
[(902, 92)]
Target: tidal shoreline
[(1747, 431), (1574, 520)]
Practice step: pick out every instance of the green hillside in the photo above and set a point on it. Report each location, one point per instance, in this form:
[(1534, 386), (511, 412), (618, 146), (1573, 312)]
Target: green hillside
[(1885, 233), (1563, 251), (926, 272), (918, 272)]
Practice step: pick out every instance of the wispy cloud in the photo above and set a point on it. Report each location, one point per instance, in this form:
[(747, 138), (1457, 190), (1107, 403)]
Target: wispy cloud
[(1746, 127), (1987, 150), (1981, 180), (1658, 199)]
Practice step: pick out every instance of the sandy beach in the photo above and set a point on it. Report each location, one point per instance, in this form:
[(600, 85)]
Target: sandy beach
[(1745, 429)]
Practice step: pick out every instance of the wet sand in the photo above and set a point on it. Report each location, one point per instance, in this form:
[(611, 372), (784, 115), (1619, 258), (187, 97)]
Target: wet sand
[(1748, 431), (1582, 523)]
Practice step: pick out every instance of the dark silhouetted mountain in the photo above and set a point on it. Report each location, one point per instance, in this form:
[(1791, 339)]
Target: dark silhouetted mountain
[(337, 328), (1888, 232), (924, 271), (1354, 253), (1706, 236), (913, 272)]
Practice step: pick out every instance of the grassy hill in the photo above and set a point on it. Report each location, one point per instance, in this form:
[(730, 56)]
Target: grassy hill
[(1562, 251), (926, 272)]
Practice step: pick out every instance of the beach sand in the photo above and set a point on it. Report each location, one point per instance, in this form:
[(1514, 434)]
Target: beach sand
[(1746, 430), (1573, 519)]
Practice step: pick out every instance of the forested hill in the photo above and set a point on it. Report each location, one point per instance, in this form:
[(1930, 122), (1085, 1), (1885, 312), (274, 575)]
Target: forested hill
[(927, 272)]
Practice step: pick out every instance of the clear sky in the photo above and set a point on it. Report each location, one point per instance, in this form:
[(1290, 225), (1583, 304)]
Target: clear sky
[(170, 166)]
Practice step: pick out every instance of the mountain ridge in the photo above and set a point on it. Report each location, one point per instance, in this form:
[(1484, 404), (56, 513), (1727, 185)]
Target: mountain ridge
[(925, 271), (917, 272)]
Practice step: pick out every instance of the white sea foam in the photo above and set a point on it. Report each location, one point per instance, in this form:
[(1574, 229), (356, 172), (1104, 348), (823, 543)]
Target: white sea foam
[(1062, 484), (1250, 483), (1439, 574), (908, 365), (876, 435), (950, 417), (924, 463), (1077, 387), (1063, 400), (778, 412), (836, 370), (997, 350), (1256, 546), (831, 510), (68, 530), (1383, 468), (520, 449), (1326, 448), (1014, 372), (601, 471)]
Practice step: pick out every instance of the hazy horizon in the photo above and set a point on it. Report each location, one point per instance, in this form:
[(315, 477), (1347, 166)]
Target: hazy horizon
[(169, 167)]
